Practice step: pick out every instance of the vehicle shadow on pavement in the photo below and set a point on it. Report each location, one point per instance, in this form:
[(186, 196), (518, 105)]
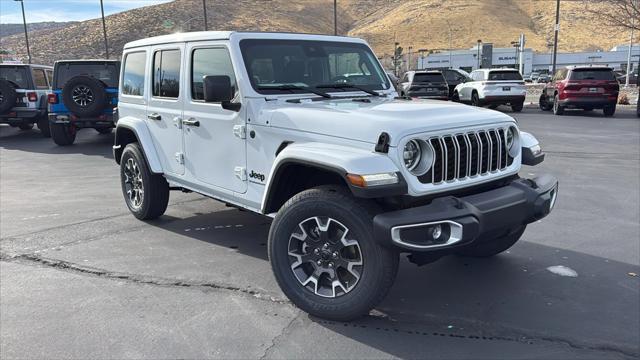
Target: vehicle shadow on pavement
[(88, 142), (241, 231), (512, 297)]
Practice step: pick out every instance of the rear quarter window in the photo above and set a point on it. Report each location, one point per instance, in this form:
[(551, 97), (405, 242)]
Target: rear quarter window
[(133, 79), (592, 74)]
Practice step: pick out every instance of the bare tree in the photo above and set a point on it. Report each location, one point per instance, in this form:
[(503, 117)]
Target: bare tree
[(618, 13)]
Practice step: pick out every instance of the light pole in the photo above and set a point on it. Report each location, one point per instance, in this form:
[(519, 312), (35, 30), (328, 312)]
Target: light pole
[(26, 35), (633, 23), (449, 25), (409, 59), (516, 45), (335, 17), (104, 31), (556, 29), (204, 10), (479, 43)]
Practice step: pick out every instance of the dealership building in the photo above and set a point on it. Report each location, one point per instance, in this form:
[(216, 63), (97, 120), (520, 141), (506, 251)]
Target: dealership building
[(491, 57)]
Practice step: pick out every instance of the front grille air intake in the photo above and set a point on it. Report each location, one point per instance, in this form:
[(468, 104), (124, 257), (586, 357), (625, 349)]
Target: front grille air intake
[(466, 155)]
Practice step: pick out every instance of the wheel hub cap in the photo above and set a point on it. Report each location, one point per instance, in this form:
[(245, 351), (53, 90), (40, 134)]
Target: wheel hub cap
[(324, 258), (133, 184), (82, 95)]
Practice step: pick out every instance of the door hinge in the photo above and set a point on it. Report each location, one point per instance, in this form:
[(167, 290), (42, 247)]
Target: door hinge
[(240, 131), (241, 173), (180, 158)]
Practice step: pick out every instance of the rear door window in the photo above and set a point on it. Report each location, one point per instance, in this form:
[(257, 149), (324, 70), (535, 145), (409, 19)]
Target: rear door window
[(15, 74), (418, 78), (504, 75), (166, 73), (592, 74), (108, 73), (40, 79)]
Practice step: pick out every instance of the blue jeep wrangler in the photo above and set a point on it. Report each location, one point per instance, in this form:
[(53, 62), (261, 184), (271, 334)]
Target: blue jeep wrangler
[(84, 95)]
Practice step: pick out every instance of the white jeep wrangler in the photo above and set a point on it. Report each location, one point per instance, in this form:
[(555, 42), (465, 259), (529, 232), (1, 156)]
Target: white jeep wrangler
[(307, 130)]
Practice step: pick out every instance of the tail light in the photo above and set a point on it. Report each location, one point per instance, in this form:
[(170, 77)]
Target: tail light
[(52, 98), (32, 97)]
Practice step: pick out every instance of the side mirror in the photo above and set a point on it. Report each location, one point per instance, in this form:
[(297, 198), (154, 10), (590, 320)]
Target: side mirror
[(217, 88)]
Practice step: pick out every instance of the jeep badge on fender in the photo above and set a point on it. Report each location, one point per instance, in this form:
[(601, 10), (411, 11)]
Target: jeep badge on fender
[(443, 180)]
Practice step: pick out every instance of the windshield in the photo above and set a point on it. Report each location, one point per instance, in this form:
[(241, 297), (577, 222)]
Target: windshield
[(418, 78), (16, 74), (592, 74), (504, 75), (306, 63), (107, 72)]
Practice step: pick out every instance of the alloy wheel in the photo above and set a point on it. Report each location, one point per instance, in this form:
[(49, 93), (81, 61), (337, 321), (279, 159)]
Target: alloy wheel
[(133, 183), (82, 95), (323, 257)]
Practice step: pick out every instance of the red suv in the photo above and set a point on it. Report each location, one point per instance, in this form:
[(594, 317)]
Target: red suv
[(581, 87)]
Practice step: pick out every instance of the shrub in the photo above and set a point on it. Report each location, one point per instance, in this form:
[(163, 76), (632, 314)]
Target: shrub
[(623, 99)]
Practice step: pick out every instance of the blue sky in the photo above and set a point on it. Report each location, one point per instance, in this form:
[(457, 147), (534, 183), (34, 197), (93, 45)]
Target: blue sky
[(65, 10)]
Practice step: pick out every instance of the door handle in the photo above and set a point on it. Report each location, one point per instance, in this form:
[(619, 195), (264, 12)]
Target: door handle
[(154, 116), (191, 122)]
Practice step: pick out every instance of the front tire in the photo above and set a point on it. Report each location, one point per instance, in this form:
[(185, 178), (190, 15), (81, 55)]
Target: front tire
[(63, 134), (495, 246), (146, 194), (324, 256), (455, 97)]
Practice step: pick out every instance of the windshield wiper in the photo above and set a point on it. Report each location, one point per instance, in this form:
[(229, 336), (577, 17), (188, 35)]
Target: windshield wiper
[(292, 87), (347, 86)]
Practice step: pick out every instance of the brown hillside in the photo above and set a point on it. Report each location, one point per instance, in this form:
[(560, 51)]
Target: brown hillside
[(416, 23)]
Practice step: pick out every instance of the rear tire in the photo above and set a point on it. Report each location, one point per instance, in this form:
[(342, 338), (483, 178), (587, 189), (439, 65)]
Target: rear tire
[(25, 126), (455, 97), (493, 106), (146, 194), (494, 247), (43, 126), (517, 107), (305, 237), (557, 108), (609, 110), (63, 134), (475, 99)]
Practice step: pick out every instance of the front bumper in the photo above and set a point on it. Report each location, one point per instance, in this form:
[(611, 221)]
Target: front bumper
[(469, 219)]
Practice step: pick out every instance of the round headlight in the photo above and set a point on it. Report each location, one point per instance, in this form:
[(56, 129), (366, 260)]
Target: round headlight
[(418, 157), (512, 136), (411, 154)]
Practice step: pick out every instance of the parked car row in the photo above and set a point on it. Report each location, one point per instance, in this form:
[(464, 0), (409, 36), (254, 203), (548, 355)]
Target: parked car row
[(73, 95)]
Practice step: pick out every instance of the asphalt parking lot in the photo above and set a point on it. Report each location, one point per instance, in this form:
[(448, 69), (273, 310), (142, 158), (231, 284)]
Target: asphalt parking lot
[(82, 278)]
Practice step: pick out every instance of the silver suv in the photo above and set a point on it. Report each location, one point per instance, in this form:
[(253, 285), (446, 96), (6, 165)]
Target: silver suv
[(23, 96)]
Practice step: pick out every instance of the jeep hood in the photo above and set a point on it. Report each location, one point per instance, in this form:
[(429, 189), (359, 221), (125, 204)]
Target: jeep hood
[(364, 121)]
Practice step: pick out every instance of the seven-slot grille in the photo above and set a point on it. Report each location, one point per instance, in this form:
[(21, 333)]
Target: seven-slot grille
[(469, 154)]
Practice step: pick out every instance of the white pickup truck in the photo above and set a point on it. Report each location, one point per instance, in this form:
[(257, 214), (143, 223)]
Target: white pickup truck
[(307, 130)]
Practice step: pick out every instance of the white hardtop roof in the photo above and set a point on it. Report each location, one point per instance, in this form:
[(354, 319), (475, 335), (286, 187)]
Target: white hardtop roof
[(227, 35), (498, 69), (23, 64)]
